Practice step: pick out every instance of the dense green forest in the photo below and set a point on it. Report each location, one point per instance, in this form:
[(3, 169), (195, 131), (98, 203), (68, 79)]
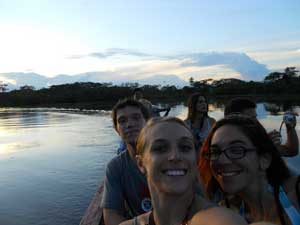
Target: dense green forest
[(101, 95)]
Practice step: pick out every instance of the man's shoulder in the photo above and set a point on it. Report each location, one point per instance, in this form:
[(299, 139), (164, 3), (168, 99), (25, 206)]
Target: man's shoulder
[(118, 161)]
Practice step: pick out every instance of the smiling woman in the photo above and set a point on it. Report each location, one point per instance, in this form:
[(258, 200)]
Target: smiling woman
[(166, 154), (239, 159)]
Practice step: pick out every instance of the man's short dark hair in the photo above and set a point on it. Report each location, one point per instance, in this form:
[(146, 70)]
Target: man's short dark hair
[(238, 105), (128, 102)]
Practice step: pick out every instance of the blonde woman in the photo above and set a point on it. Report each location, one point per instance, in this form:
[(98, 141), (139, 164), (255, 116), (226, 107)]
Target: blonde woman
[(166, 154)]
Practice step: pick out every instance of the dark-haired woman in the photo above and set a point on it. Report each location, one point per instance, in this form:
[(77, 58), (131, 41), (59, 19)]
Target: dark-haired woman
[(239, 158), (167, 156), (197, 119)]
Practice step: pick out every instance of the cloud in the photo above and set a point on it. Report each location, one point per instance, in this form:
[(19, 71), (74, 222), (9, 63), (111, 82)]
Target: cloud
[(278, 59), (239, 63), (112, 52), (201, 65), (183, 68), (7, 80), (275, 53)]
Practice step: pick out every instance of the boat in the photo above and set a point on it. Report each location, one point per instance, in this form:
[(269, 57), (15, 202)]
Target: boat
[(94, 213)]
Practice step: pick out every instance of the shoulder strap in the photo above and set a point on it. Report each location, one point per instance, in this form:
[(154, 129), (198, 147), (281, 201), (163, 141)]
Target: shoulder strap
[(135, 221), (289, 209), (298, 190)]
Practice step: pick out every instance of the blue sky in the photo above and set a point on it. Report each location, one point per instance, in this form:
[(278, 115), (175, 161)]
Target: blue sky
[(63, 37)]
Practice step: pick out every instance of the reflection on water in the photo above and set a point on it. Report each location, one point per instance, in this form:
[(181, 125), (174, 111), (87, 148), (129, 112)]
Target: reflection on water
[(51, 161), (9, 148)]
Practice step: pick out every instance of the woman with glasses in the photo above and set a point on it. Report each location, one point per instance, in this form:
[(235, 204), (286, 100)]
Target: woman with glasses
[(197, 119), (239, 159), (167, 156)]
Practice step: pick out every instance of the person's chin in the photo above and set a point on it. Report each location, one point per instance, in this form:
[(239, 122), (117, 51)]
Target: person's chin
[(176, 185), (175, 189)]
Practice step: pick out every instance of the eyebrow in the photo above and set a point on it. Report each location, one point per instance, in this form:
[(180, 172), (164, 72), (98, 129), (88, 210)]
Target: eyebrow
[(161, 140), (231, 143), (186, 139)]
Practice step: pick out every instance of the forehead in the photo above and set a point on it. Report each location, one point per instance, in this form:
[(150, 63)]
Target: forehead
[(168, 130), (250, 112), (228, 134), (128, 111)]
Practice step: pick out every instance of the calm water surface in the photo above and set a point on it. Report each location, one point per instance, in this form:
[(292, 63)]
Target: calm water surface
[(52, 161)]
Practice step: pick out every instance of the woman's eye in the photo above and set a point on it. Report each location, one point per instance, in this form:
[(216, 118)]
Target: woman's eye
[(186, 148), (160, 148)]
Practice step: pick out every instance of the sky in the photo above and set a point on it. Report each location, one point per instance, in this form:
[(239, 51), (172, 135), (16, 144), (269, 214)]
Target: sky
[(140, 38)]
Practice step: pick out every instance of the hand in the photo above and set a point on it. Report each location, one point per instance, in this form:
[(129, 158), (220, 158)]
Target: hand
[(291, 123), (275, 136)]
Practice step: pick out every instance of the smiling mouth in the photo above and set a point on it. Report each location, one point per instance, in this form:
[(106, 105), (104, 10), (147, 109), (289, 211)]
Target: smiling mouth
[(229, 173), (175, 172)]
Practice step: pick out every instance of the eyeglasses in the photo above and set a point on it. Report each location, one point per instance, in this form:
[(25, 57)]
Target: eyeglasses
[(232, 152)]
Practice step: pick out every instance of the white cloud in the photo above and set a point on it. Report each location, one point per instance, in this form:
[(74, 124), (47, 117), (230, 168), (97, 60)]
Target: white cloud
[(148, 68), (7, 81), (278, 59), (274, 53)]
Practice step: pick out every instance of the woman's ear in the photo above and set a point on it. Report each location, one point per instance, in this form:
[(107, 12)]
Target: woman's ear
[(139, 162), (265, 161)]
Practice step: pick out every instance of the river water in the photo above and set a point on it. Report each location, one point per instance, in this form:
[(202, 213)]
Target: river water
[(53, 160)]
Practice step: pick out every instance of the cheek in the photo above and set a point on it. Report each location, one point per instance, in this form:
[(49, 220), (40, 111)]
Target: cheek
[(151, 164), (213, 168)]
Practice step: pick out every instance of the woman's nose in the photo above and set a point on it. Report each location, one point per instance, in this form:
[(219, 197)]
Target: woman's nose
[(223, 158), (174, 154)]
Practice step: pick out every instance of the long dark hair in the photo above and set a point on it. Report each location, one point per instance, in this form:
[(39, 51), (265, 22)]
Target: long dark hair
[(192, 102), (277, 172)]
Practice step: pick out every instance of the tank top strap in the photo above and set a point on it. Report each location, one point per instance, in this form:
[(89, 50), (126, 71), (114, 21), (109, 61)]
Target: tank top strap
[(292, 213), (135, 221), (298, 190)]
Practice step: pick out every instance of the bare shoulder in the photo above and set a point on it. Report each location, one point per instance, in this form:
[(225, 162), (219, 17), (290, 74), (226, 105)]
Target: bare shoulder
[(212, 120), (217, 216), (127, 222), (290, 186), (140, 220)]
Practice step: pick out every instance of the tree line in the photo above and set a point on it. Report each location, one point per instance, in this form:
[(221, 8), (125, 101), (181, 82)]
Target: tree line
[(95, 95)]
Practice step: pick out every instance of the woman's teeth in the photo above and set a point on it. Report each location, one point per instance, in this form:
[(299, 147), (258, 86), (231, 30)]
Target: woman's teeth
[(175, 172)]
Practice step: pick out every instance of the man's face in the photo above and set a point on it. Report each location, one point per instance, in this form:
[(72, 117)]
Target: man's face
[(251, 112), (130, 121)]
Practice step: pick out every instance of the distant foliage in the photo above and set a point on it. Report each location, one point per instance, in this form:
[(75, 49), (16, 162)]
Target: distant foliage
[(3, 86), (96, 94)]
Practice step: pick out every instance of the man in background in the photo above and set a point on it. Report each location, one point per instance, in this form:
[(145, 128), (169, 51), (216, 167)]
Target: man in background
[(126, 191), (154, 110), (248, 107)]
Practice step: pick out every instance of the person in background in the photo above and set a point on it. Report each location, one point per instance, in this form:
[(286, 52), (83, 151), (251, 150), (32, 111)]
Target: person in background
[(240, 159), (248, 107), (197, 119), (167, 156), (154, 110), (126, 192)]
